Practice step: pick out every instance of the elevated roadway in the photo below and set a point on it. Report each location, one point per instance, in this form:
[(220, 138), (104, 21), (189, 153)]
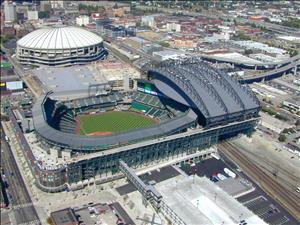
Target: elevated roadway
[(277, 68), (272, 74), (259, 65)]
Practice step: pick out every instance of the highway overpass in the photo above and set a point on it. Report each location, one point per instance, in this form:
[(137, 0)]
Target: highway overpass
[(255, 66), (272, 74)]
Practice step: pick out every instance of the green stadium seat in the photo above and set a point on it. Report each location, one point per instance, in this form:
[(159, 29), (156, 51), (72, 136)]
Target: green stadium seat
[(152, 111), (140, 107)]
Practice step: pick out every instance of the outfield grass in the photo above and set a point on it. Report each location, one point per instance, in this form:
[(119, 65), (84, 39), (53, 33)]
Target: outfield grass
[(115, 121)]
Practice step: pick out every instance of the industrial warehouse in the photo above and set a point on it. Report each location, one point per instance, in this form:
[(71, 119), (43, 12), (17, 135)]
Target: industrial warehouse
[(60, 46), (183, 106)]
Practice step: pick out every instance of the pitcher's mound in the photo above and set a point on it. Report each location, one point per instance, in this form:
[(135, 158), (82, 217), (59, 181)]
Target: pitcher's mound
[(100, 133)]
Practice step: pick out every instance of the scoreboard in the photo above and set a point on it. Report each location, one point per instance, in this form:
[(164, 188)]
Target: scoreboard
[(147, 88)]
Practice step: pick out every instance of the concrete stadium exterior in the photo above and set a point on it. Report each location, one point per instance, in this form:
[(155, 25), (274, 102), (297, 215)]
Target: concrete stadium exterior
[(60, 46), (204, 128)]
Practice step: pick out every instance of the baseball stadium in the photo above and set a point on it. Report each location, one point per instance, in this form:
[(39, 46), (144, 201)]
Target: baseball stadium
[(182, 107)]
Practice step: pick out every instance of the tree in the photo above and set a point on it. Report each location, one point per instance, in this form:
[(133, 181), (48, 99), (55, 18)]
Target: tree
[(43, 15), (287, 130), (293, 52), (297, 123), (248, 51), (294, 22), (267, 20), (282, 138), (50, 221), (242, 36), (281, 117), (165, 44)]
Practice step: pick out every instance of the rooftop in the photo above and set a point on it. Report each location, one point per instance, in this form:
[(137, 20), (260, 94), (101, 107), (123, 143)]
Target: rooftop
[(237, 56), (59, 38), (170, 53), (64, 217), (290, 38), (199, 201), (294, 100), (212, 91), (65, 79), (260, 46)]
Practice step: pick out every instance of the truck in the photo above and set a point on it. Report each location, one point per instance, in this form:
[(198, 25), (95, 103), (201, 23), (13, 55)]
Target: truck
[(229, 173), (6, 138)]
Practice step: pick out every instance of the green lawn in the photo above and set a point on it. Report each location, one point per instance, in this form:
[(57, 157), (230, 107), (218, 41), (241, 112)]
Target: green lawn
[(113, 122)]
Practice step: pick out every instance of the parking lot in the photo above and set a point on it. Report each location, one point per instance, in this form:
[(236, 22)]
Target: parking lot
[(266, 208), (103, 214), (205, 168), (257, 201)]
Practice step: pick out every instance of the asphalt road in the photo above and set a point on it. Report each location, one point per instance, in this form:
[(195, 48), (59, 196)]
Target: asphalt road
[(22, 210), (17, 68), (121, 212)]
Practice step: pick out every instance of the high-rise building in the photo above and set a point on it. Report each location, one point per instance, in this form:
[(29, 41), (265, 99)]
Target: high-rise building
[(10, 13)]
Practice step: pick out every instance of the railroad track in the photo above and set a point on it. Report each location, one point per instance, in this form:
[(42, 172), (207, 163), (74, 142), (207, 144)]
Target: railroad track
[(279, 169), (288, 200)]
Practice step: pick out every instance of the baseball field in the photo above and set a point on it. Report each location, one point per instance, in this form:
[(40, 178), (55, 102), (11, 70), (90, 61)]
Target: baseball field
[(112, 122)]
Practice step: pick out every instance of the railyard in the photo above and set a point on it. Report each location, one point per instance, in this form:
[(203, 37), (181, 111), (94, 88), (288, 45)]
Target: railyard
[(290, 200)]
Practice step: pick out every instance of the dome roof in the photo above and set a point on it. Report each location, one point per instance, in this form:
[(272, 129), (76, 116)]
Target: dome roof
[(59, 38)]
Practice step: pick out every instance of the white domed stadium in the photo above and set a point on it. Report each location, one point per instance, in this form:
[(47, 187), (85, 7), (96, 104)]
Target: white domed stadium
[(60, 46)]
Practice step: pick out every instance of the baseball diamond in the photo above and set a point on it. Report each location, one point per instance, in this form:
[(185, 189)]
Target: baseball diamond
[(113, 122)]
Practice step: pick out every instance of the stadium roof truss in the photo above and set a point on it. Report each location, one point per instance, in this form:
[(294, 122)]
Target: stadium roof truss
[(213, 92)]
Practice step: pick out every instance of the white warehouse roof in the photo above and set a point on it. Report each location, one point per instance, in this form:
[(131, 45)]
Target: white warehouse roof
[(59, 38)]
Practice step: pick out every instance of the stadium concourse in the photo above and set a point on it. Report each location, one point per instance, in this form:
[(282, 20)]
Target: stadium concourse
[(183, 107)]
